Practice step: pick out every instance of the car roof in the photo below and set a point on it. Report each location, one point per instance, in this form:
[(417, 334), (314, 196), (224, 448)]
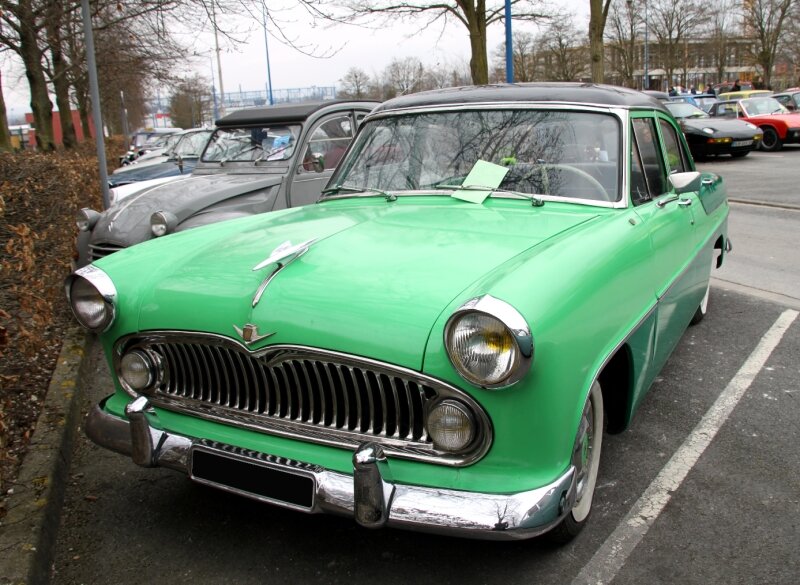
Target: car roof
[(582, 93), (285, 113)]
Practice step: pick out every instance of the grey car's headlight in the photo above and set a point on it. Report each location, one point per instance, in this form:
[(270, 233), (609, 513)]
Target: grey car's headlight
[(489, 343), (86, 219), (162, 223), (91, 296)]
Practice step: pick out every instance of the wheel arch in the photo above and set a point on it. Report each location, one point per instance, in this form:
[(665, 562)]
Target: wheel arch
[(616, 383)]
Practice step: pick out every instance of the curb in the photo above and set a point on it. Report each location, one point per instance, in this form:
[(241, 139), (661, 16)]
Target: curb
[(28, 532)]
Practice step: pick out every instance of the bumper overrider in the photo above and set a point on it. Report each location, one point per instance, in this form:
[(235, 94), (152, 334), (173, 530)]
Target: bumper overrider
[(369, 495)]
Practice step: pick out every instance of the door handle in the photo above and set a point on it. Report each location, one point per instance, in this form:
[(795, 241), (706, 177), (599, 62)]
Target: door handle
[(685, 202)]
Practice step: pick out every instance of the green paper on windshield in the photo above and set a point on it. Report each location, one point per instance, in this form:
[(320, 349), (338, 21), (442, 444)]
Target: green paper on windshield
[(484, 178)]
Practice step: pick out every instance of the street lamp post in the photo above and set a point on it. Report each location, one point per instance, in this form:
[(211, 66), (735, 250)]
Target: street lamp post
[(646, 80), (266, 49)]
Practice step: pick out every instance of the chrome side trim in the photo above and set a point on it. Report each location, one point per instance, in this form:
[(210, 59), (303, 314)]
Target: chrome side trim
[(426, 509)]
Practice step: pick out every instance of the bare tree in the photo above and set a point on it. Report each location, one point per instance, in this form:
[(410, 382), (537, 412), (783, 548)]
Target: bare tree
[(564, 51), (191, 104), (624, 20), (5, 135), (355, 84), (767, 19), (523, 53), (672, 22), (474, 15), (721, 28), (21, 31)]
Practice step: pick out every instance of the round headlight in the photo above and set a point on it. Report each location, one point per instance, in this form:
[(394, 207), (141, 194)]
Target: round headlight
[(91, 296), (489, 343), (89, 306), (86, 219), (450, 426), (138, 370), (162, 223)]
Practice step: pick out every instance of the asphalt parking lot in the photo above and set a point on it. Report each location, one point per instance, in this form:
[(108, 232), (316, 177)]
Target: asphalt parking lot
[(732, 519)]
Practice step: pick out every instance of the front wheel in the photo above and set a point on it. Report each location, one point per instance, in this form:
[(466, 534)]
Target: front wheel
[(771, 142), (586, 460)]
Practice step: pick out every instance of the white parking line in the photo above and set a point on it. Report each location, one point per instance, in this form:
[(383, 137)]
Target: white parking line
[(611, 556)]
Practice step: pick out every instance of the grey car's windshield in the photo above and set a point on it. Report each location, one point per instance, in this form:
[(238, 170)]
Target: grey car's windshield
[(263, 143), (559, 153), (191, 145)]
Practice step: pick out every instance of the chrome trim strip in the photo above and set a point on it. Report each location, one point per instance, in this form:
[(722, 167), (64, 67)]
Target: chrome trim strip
[(480, 515), (288, 400)]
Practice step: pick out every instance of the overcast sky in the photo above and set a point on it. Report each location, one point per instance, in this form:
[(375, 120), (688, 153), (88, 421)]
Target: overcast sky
[(370, 50)]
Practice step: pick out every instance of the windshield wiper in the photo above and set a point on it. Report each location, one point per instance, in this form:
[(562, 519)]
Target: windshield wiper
[(535, 201), (339, 188)]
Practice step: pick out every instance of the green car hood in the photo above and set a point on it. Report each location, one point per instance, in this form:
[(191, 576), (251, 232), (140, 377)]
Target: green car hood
[(373, 283)]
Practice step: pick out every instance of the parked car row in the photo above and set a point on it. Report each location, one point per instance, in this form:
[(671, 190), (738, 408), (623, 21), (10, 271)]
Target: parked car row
[(492, 279)]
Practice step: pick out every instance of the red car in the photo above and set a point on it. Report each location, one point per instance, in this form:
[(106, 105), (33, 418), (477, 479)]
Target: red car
[(778, 124)]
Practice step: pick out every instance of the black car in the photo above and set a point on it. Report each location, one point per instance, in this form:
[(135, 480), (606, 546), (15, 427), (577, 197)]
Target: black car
[(709, 136)]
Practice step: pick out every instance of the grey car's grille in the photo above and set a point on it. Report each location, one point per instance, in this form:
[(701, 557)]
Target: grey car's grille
[(99, 250), (306, 393)]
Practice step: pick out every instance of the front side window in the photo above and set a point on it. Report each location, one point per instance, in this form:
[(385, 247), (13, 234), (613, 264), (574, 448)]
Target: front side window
[(651, 172), (559, 153), (262, 143), (328, 142), (676, 157)]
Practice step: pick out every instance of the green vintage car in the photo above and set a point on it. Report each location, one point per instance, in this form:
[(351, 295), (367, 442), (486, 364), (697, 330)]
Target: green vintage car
[(492, 279)]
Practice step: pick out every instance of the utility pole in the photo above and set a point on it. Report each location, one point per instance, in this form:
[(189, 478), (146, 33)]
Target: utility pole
[(219, 61)]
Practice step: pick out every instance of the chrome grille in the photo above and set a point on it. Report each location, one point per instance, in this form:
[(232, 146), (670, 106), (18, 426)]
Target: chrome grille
[(305, 393), (99, 250)]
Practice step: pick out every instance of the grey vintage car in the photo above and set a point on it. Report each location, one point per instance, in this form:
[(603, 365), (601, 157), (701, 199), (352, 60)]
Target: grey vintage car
[(257, 160)]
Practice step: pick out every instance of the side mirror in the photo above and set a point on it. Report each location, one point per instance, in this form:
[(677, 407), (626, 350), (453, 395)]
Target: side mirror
[(685, 182)]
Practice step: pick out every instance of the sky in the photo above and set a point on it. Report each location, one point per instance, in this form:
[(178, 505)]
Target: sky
[(244, 67)]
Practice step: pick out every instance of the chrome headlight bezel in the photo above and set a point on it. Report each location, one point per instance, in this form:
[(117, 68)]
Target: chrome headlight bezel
[(105, 297), (516, 327), (162, 223), (86, 219)]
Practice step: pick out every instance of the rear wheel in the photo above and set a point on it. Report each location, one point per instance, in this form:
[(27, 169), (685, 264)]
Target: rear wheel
[(701, 311), (771, 142), (586, 460)]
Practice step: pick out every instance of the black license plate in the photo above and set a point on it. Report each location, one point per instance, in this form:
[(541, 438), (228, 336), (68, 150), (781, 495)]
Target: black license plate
[(252, 478)]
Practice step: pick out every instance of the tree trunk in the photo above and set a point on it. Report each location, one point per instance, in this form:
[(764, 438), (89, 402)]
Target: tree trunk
[(597, 24), (60, 80), (41, 106), (5, 135), (478, 62)]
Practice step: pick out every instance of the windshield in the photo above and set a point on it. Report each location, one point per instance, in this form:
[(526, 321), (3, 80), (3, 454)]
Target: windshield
[(191, 145), (680, 110), (762, 106), (548, 152), (268, 143)]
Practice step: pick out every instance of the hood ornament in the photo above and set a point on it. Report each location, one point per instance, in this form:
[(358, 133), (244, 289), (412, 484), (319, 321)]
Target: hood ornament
[(281, 256), (250, 333)]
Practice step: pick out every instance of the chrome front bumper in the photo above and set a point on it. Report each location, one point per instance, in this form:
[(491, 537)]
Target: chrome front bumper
[(369, 494)]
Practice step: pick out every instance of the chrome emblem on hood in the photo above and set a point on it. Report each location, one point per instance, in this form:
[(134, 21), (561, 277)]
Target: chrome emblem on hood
[(281, 256), (250, 333)]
